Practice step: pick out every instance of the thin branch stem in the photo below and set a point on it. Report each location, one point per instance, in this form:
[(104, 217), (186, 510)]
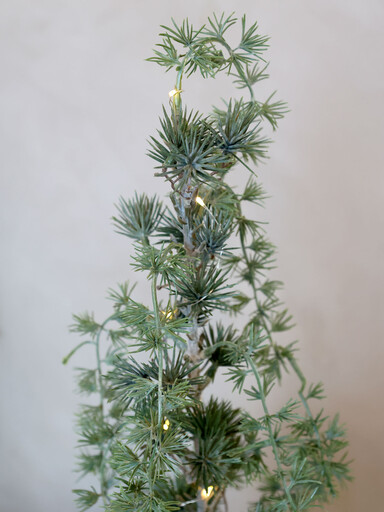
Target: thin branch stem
[(270, 431), (104, 451), (293, 361), (159, 353)]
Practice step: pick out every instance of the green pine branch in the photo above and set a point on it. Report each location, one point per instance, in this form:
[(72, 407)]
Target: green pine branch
[(150, 435)]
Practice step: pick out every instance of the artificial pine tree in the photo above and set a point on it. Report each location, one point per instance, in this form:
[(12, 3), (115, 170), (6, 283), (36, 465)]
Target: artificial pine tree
[(150, 439)]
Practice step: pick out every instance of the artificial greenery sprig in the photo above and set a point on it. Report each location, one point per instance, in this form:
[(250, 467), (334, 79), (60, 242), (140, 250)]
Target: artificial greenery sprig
[(154, 441)]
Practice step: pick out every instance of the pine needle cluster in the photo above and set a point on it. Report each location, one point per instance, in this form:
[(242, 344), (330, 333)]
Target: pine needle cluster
[(150, 439)]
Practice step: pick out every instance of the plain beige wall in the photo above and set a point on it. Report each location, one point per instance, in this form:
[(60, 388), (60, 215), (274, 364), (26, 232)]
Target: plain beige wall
[(77, 104)]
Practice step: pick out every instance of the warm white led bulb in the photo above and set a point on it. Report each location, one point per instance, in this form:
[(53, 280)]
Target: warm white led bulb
[(207, 493), (168, 315), (166, 424), (172, 93), (200, 201)]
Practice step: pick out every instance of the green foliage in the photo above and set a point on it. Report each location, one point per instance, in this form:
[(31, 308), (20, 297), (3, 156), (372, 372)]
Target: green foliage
[(89, 463), (204, 290), (86, 499), (138, 382), (150, 437), (139, 217), (87, 380), (168, 262), (85, 325), (216, 429), (188, 143), (240, 131)]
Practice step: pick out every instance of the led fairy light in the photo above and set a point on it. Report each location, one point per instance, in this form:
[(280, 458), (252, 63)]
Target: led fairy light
[(200, 202), (175, 98), (169, 314), (166, 424), (173, 93), (206, 494)]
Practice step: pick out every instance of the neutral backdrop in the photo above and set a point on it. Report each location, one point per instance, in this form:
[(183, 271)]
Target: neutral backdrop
[(77, 104)]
